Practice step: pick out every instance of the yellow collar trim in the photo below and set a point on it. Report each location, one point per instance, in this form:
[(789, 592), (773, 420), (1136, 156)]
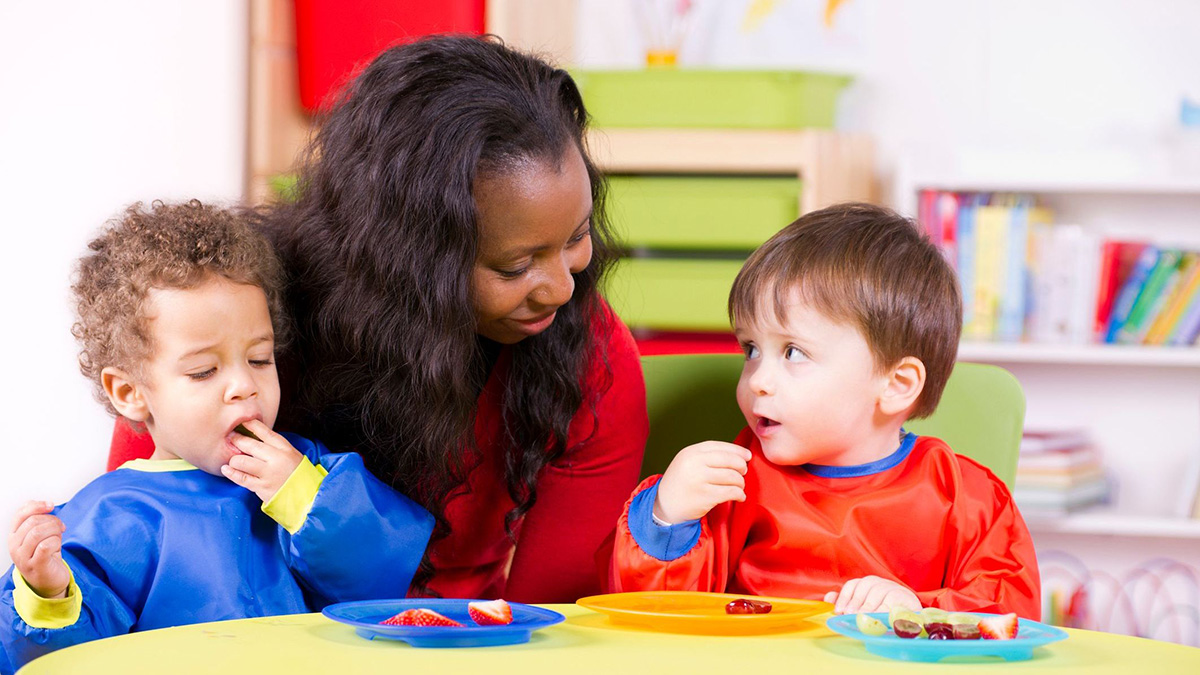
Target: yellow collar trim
[(158, 465)]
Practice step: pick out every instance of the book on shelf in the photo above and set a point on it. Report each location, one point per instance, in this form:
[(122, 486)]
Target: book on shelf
[(1149, 299), (1058, 471), (1176, 301), (1043, 440), (1025, 277)]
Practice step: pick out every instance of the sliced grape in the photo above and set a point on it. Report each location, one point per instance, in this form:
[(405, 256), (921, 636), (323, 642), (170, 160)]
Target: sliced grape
[(939, 630), (869, 625), (966, 631), (934, 614), (907, 629)]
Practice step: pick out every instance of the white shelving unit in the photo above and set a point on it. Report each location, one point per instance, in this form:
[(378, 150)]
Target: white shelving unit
[(1141, 404)]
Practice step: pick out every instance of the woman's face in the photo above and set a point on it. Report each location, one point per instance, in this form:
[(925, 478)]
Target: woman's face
[(534, 227)]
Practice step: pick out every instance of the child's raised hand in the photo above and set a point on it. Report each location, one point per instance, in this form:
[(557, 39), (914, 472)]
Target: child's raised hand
[(264, 465), (700, 477), (872, 594), (35, 546)]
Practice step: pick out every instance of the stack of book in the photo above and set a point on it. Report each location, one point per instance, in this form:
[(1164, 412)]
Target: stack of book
[(1025, 277), (1058, 472)]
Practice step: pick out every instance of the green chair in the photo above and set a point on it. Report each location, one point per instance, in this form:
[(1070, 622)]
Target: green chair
[(690, 398)]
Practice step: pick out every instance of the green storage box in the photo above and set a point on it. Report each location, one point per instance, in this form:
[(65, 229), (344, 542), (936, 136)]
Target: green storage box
[(701, 212), (672, 293), (692, 98)]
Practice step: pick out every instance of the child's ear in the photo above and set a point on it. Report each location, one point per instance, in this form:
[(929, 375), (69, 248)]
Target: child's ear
[(125, 394), (906, 381)]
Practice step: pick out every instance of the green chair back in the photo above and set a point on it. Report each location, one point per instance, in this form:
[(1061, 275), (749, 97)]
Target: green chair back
[(690, 398)]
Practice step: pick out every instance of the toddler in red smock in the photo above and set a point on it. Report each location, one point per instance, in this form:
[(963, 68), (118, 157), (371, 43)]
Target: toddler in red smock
[(849, 319)]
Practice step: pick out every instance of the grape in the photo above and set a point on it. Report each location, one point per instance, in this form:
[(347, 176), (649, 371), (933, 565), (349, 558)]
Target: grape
[(907, 629), (939, 630), (869, 625)]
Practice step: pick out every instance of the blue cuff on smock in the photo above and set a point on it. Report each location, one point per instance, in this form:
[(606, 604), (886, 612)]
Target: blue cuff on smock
[(664, 542)]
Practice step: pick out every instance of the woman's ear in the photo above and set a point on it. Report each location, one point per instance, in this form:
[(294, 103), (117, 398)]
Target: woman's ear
[(906, 381), (125, 394)]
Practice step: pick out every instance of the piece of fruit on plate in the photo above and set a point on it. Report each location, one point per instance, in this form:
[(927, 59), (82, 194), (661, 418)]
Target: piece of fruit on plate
[(748, 606), (419, 617), (1002, 627), (490, 613), (869, 625)]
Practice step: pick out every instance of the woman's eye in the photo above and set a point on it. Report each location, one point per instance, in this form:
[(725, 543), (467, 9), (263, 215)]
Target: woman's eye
[(792, 353), (203, 375), (751, 350), (512, 274), (580, 237)]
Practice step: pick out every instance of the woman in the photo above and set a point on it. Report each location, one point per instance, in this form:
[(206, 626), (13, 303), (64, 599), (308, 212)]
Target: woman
[(445, 251)]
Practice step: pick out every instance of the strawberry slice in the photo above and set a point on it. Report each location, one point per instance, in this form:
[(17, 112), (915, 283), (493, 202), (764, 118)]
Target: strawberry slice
[(998, 627), (419, 617), (492, 613)]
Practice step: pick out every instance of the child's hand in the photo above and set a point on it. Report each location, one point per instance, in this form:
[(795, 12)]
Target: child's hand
[(872, 594), (35, 546), (700, 477), (266, 464)]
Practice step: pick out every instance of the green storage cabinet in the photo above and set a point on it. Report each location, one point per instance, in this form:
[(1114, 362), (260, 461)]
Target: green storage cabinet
[(701, 212), (672, 294), (696, 98)]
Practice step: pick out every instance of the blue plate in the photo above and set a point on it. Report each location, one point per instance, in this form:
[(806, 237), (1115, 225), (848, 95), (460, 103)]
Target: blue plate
[(1030, 634), (365, 616)]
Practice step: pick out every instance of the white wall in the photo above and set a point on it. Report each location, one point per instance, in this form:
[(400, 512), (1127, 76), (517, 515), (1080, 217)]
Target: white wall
[(101, 104)]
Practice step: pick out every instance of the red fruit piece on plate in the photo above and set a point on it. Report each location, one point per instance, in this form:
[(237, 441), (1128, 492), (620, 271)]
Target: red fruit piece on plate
[(747, 606), (419, 617), (998, 627), (491, 613)]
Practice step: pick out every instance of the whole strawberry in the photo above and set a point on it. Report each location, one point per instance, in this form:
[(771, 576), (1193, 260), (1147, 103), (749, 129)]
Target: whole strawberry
[(492, 613), (419, 617)]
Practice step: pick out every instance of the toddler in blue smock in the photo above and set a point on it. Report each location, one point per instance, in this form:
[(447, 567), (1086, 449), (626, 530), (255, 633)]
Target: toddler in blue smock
[(179, 317)]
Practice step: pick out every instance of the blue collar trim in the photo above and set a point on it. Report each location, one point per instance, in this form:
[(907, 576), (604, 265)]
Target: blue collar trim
[(878, 466)]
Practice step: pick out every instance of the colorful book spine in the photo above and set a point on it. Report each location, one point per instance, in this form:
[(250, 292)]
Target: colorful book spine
[(1010, 319), (967, 205), (1177, 303), (1188, 328), (947, 213), (1158, 282), (1130, 290), (991, 255), (1117, 259)]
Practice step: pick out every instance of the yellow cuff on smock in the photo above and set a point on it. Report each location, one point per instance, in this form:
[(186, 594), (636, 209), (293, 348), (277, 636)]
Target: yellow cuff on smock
[(291, 504), (42, 612)]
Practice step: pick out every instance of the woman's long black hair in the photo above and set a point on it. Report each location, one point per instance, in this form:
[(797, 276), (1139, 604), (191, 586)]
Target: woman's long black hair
[(379, 246)]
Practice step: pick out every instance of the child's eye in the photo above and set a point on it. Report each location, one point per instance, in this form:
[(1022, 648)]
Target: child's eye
[(202, 375), (750, 350), (261, 363), (794, 354)]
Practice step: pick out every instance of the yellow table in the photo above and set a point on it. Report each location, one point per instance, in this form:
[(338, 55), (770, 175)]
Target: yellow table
[(585, 643)]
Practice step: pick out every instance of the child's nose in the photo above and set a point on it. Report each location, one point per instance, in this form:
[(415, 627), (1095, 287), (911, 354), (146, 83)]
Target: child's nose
[(241, 385), (761, 381)]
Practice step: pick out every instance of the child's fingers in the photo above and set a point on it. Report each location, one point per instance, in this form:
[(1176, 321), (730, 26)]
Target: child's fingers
[(267, 435), (47, 550), (726, 477), (29, 508), (247, 464), (846, 595), (723, 459), (37, 529), (876, 597), (726, 493), (831, 596), (239, 477)]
